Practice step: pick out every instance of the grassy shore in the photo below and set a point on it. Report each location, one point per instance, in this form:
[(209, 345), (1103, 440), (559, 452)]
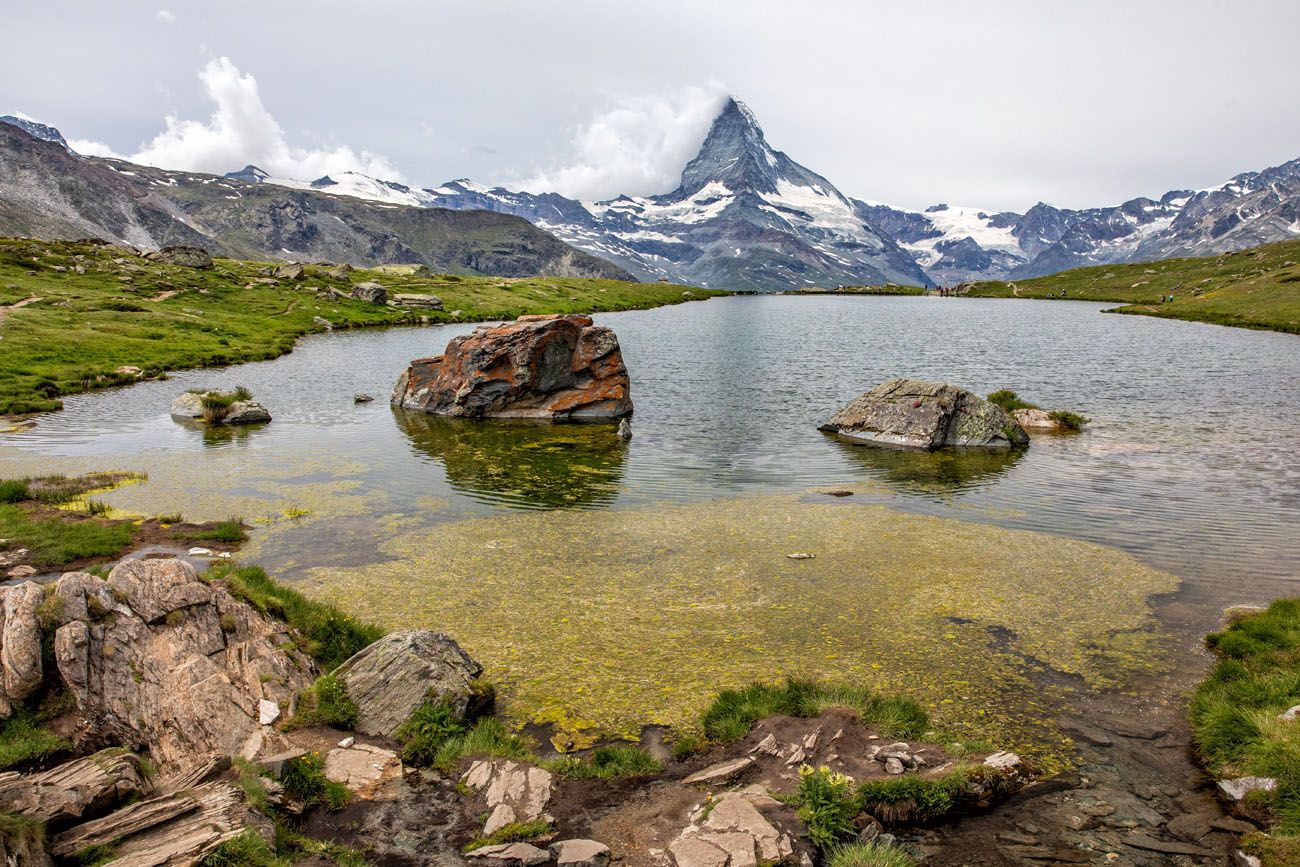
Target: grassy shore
[(72, 314), (880, 289), (1239, 726), (1255, 288)]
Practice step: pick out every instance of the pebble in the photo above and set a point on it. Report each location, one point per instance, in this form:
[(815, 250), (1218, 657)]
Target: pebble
[(200, 552), (347, 742), (801, 556)]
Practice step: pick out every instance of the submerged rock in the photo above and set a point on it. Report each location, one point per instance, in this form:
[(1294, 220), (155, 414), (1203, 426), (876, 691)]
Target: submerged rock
[(558, 368), (925, 415)]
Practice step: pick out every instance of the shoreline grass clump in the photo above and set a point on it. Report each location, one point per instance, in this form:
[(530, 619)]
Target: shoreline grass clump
[(735, 711), (1009, 401), (871, 854), (304, 778), (216, 404), (1236, 724)]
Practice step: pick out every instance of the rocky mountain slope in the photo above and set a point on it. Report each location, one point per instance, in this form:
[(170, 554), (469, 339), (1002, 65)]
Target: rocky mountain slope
[(47, 191)]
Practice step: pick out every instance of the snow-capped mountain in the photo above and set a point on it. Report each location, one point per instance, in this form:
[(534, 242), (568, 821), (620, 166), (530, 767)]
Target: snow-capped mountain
[(37, 130), (745, 216)]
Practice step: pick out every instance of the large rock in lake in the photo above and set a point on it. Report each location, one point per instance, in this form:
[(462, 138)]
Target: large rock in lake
[(926, 415), (559, 368)]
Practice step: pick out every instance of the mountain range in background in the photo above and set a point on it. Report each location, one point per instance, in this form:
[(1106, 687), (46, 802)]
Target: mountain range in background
[(744, 216)]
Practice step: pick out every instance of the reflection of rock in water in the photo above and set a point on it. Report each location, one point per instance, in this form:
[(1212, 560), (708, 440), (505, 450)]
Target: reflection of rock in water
[(523, 463), (945, 470), (216, 435)]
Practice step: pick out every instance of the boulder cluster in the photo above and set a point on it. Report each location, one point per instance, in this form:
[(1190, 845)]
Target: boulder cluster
[(912, 413)]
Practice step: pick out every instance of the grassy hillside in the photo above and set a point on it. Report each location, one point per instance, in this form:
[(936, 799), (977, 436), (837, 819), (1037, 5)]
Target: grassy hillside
[(73, 313), (1255, 288)]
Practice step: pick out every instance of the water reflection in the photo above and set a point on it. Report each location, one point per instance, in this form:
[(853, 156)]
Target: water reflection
[(521, 463), (943, 471), (218, 435)]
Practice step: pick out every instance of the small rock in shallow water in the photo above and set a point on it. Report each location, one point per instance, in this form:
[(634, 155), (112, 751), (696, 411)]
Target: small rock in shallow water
[(362, 398), (199, 552), (625, 430)]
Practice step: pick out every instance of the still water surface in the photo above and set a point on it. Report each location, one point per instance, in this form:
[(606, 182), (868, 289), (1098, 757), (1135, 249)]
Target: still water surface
[(1189, 462)]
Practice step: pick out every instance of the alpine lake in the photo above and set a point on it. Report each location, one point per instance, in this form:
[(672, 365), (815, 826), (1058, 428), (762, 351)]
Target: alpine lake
[(608, 587)]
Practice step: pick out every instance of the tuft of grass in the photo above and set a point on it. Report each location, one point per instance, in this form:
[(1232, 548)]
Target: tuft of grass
[(429, 729), (170, 518), (688, 745), (868, 855), (14, 491), (230, 530), (735, 711), (94, 856), (326, 634), (612, 762), (304, 778), (326, 702), (1009, 400), (1069, 420), (248, 849), (512, 833), (23, 740), (97, 508), (19, 834)]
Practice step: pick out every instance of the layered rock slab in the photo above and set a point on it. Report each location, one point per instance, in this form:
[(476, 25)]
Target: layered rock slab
[(554, 368)]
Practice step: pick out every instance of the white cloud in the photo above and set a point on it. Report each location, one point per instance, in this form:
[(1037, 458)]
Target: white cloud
[(239, 132), (165, 16), (638, 146), (91, 148)]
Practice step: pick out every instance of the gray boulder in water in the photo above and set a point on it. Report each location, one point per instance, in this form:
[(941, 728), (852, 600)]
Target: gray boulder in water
[(912, 413)]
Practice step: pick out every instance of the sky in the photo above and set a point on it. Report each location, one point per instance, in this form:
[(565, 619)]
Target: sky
[(995, 104)]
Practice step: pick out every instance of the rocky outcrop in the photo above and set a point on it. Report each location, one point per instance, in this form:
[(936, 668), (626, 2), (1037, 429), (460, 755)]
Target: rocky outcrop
[(416, 301), (366, 770), (87, 785), (395, 675), (154, 657), (741, 829), (185, 256), (912, 413), (370, 291), (291, 271), (513, 791), (557, 368)]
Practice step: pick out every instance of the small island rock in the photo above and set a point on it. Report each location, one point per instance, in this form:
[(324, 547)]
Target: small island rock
[(925, 415)]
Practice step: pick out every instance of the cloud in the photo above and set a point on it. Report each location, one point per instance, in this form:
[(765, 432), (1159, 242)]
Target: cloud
[(239, 132), (165, 16), (638, 146), (91, 148)]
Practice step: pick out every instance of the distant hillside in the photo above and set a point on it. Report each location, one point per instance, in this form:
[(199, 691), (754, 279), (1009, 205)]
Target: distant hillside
[(48, 192), (1255, 288)]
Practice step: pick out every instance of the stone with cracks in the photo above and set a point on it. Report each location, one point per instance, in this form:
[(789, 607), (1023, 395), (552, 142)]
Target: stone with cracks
[(370, 291), (64, 792), (20, 642), (392, 677), (363, 768), (925, 415), (720, 773), (580, 853), (1236, 790), (188, 257), (513, 791), (556, 368), (510, 855), (743, 829)]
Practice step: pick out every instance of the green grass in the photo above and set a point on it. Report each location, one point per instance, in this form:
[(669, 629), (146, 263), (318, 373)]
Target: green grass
[(327, 634), (868, 855), (1255, 288), (14, 491), (53, 542), (1009, 400), (1234, 717), (827, 804), (23, 740), (222, 316), (231, 530), (326, 703), (216, 404), (735, 711), (20, 833), (512, 833), (246, 850), (94, 856), (611, 762), (1068, 420), (304, 778), (430, 727)]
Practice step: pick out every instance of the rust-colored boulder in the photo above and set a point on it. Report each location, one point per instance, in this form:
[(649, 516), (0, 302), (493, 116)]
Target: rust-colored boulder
[(559, 368)]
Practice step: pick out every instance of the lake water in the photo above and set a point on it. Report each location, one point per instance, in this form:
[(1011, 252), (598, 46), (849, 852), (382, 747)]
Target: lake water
[(1188, 462)]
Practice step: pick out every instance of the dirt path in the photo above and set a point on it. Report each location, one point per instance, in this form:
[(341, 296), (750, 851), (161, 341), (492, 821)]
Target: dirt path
[(163, 296), (5, 309), (286, 311)]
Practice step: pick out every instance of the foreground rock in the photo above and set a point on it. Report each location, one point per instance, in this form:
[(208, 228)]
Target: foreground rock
[(742, 829), (155, 658), (513, 791), (188, 257), (557, 368), (91, 784), (395, 675), (925, 415)]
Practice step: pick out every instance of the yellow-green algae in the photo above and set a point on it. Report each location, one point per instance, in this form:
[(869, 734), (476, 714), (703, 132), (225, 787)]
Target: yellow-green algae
[(603, 622)]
